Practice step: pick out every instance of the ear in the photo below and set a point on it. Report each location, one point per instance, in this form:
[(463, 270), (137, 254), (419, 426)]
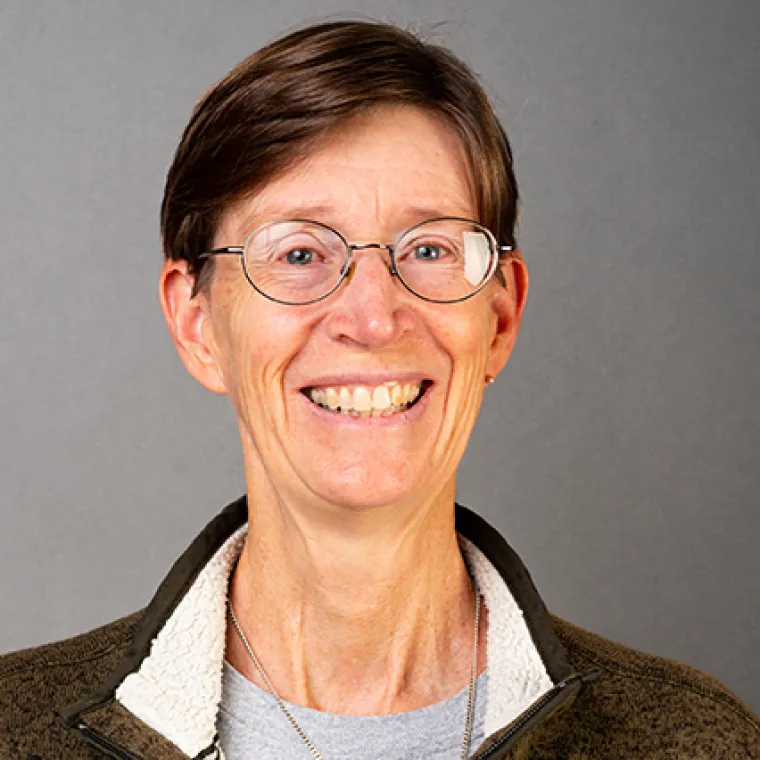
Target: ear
[(189, 325), (508, 304)]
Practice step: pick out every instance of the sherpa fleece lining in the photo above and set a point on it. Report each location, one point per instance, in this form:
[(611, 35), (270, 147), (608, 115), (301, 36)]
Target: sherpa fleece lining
[(178, 687)]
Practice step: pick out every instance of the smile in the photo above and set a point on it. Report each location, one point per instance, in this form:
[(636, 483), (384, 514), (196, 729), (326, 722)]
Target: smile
[(368, 401)]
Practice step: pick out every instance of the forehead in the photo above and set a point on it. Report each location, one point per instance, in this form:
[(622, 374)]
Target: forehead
[(375, 174)]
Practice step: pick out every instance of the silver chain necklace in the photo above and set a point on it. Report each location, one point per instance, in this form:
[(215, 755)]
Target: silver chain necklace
[(308, 742)]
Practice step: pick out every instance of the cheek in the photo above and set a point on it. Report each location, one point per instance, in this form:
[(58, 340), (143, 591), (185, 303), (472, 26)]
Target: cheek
[(467, 336), (263, 342)]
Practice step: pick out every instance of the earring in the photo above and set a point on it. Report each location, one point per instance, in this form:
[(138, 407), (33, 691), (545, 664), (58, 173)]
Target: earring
[(490, 379)]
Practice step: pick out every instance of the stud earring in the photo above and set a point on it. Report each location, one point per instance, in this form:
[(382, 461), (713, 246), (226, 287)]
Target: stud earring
[(490, 379)]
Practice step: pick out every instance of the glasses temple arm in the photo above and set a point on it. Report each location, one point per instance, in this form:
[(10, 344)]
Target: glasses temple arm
[(221, 251)]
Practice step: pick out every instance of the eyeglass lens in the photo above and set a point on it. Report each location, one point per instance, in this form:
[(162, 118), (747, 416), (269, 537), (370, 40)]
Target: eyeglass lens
[(298, 262)]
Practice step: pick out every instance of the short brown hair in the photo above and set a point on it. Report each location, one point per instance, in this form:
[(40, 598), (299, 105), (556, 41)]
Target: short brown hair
[(276, 104)]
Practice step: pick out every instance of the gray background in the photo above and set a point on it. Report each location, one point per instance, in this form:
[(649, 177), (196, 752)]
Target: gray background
[(618, 453)]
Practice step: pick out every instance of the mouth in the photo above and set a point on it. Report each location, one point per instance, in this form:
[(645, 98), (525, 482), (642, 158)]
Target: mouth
[(384, 400)]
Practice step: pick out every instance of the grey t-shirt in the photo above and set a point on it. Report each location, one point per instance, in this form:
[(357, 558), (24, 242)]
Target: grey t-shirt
[(251, 725)]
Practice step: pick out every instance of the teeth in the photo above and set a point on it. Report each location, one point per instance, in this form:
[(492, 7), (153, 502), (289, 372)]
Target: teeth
[(362, 400), (331, 399), (380, 401), (381, 398)]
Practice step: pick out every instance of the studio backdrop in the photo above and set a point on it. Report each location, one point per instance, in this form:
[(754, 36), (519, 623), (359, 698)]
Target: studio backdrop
[(618, 452)]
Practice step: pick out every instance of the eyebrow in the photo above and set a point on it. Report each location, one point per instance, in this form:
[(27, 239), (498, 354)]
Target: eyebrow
[(325, 213)]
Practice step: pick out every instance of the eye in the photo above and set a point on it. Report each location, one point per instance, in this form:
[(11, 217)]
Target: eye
[(299, 256), (427, 252)]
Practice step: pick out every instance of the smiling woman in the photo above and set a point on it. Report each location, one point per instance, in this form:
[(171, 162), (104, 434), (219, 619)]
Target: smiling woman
[(366, 336), (338, 225)]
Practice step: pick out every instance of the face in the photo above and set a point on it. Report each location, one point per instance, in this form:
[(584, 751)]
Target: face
[(377, 176)]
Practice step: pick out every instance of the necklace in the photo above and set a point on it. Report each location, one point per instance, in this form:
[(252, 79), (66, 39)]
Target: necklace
[(308, 742)]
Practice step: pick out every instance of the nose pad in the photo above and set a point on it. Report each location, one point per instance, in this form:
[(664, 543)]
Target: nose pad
[(348, 271), (350, 268)]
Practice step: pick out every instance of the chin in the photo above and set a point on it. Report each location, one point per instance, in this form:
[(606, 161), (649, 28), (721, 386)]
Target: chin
[(359, 489)]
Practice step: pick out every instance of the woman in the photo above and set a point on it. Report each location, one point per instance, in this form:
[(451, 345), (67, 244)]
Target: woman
[(338, 226)]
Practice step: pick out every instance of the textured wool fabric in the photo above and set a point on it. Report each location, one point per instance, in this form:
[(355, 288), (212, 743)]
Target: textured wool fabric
[(251, 724), (643, 706), (607, 701)]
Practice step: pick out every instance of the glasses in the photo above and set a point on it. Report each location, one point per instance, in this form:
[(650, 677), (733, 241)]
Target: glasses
[(299, 262)]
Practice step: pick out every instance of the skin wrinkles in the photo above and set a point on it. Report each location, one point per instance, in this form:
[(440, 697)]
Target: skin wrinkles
[(351, 586)]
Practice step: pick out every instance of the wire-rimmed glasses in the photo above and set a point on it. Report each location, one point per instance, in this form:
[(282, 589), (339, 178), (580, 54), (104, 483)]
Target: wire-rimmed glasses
[(298, 262)]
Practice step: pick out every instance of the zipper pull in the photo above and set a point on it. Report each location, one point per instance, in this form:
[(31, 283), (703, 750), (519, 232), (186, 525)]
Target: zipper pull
[(591, 674)]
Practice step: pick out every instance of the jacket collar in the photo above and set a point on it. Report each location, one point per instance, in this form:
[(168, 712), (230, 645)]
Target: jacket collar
[(162, 699)]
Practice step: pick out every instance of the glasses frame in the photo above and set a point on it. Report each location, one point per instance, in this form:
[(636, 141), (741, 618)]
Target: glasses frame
[(239, 250)]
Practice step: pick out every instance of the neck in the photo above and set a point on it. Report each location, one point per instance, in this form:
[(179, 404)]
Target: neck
[(371, 618)]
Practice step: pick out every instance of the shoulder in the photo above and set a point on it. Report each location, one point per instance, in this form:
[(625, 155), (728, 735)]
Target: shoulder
[(644, 703), (35, 682), (91, 647)]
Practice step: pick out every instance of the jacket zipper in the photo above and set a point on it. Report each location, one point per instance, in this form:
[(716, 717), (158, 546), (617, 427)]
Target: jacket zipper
[(518, 725), (104, 743), (97, 739), (534, 711)]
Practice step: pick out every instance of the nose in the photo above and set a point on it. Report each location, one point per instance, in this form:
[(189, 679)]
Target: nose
[(368, 309)]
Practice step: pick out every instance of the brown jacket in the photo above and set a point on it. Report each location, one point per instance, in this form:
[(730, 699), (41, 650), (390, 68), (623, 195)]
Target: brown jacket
[(114, 692)]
